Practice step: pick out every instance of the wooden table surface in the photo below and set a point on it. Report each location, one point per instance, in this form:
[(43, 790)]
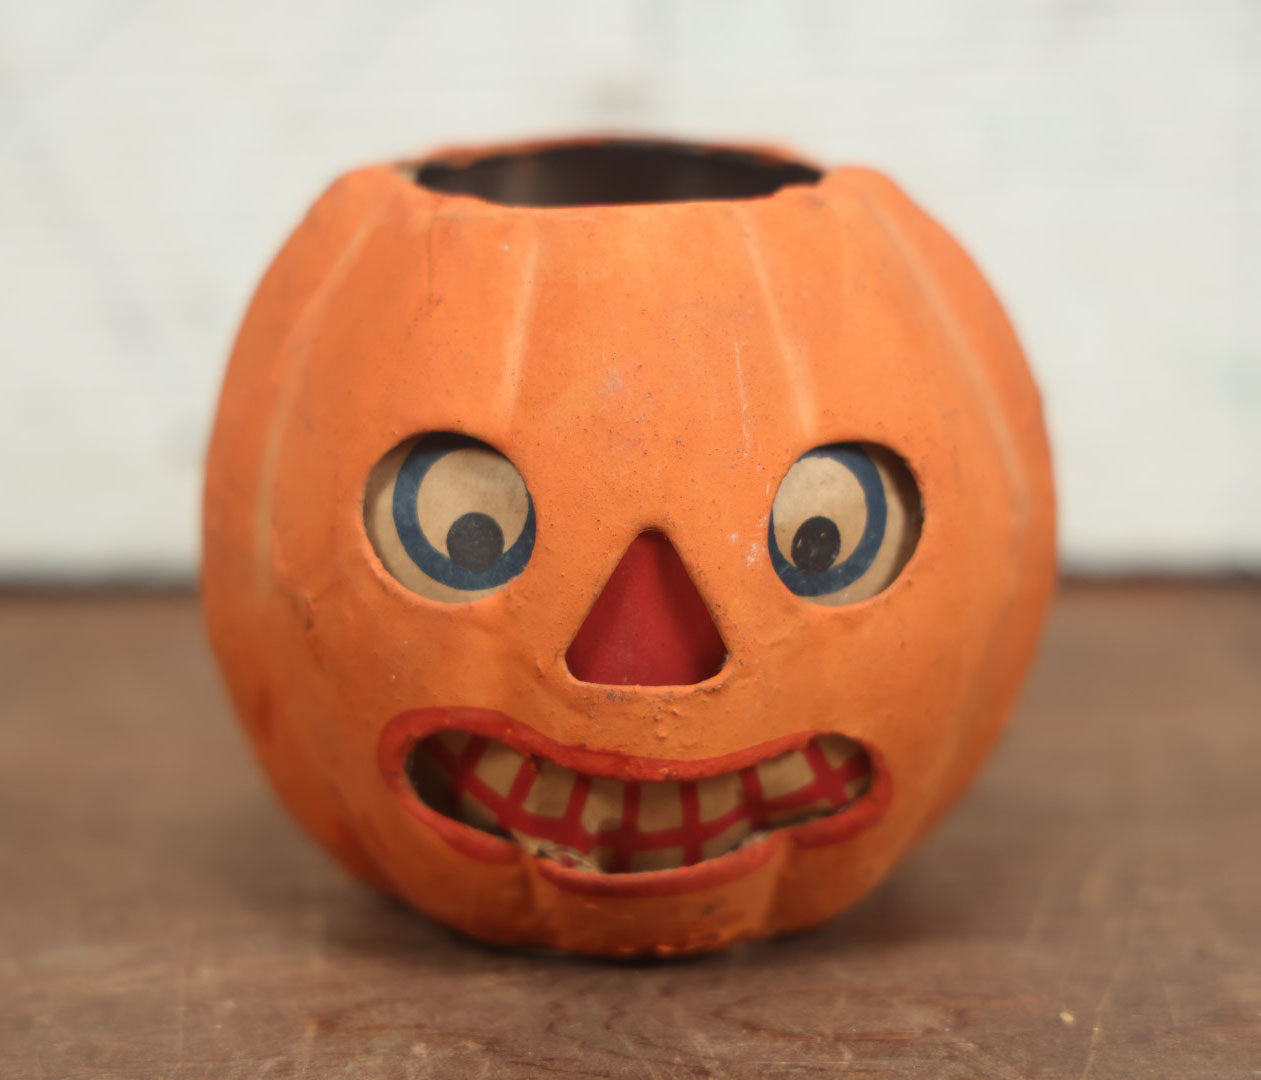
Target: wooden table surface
[(1091, 909)]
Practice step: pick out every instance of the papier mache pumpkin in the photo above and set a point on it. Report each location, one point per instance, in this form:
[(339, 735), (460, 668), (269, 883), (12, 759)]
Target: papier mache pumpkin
[(624, 546)]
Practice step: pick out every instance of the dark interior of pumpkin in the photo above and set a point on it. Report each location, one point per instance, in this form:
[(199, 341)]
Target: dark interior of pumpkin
[(614, 172)]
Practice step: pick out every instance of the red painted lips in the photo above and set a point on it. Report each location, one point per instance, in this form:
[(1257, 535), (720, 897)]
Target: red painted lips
[(495, 788)]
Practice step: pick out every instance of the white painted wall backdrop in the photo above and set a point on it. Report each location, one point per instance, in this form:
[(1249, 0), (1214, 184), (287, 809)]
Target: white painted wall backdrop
[(1102, 160)]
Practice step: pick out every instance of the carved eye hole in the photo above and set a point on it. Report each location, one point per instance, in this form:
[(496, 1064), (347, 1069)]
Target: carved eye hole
[(844, 522), (449, 517)]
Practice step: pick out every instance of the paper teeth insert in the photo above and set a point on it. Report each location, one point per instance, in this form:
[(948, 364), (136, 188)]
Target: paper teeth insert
[(606, 825)]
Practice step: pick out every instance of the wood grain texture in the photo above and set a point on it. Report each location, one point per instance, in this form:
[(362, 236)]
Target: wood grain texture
[(1089, 911)]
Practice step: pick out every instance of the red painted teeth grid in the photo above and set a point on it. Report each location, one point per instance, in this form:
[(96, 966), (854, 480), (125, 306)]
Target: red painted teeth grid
[(829, 782)]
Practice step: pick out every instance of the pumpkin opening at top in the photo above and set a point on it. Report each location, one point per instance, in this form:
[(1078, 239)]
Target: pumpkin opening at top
[(611, 172)]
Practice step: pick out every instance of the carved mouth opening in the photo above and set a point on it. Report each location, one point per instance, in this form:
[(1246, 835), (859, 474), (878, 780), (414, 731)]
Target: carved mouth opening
[(613, 171), (605, 825)]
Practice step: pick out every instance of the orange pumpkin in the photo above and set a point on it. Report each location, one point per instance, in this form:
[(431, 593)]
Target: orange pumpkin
[(626, 547)]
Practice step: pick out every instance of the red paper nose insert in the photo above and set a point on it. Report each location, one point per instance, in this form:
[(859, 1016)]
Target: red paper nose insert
[(649, 626)]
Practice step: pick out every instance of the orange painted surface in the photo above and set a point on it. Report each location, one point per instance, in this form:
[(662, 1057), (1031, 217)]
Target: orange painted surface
[(652, 367)]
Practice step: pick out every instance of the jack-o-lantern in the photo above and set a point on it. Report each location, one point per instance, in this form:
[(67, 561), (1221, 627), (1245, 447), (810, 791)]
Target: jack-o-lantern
[(624, 546)]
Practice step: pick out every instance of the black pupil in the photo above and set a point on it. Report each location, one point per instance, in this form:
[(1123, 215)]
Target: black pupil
[(475, 541), (816, 544)]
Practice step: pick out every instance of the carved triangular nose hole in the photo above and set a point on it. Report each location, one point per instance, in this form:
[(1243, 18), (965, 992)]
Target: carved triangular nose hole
[(649, 626)]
